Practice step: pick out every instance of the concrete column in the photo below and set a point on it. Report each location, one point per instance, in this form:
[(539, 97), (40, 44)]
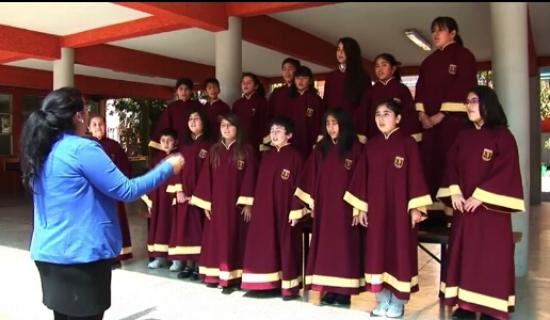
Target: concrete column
[(228, 49), (511, 79), (63, 69)]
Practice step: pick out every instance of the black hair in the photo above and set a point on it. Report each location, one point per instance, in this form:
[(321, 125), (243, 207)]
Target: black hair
[(345, 134), (283, 121), (185, 81), (292, 61), (392, 61), (450, 24), (44, 127), (490, 108), (169, 132), (302, 71), (356, 77), (187, 139), (392, 104), (211, 81), (260, 90)]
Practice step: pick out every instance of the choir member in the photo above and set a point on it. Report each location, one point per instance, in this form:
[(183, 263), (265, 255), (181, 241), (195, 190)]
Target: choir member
[(214, 106), (279, 104)]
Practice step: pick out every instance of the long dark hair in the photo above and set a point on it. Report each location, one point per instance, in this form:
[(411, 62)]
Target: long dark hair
[(345, 134), (450, 24), (302, 71), (239, 152), (261, 90), (187, 139), (490, 108), (392, 61), (356, 77), (44, 127)]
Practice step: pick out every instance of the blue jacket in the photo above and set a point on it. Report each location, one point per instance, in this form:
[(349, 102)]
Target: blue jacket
[(75, 219)]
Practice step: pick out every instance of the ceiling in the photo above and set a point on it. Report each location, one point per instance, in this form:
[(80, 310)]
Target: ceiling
[(377, 26)]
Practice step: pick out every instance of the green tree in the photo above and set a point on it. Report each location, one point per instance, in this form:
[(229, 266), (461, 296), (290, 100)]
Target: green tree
[(544, 99)]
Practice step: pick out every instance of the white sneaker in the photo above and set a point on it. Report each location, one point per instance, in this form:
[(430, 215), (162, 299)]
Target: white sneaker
[(157, 263), (395, 310), (176, 266), (380, 309)]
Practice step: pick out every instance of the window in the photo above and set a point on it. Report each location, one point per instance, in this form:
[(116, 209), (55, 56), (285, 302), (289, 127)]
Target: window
[(5, 124)]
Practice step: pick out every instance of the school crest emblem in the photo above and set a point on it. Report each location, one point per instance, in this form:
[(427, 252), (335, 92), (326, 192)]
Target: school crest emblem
[(348, 163), (285, 174), (487, 154), (240, 164), (309, 112), (398, 162), (452, 69), (203, 153)]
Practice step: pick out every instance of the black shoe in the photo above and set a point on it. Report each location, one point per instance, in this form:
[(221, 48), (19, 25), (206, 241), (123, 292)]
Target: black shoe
[(328, 299), (229, 290), (291, 297), (461, 314), (195, 275), (212, 285), (342, 300), (116, 265), (486, 317), (186, 273)]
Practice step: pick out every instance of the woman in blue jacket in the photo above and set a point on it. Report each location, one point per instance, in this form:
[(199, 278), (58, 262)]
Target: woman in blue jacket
[(75, 184)]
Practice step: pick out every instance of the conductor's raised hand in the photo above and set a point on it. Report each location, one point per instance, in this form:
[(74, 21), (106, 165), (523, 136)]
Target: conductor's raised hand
[(177, 161)]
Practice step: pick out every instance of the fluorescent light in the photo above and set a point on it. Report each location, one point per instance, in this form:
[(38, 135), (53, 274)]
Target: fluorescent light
[(417, 39)]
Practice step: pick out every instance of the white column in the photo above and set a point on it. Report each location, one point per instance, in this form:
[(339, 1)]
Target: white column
[(228, 49), (511, 77), (63, 69)]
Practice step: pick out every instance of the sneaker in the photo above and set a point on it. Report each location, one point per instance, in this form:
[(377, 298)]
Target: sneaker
[(157, 263), (380, 309), (116, 265), (195, 275), (185, 273), (461, 314), (486, 317), (291, 297), (176, 266), (229, 290), (212, 285), (395, 311), (328, 299), (342, 300)]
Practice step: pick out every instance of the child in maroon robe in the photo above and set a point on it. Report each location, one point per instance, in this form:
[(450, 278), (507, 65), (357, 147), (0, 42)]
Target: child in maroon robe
[(444, 79), (117, 154), (279, 104), (252, 111), (389, 86), (273, 256), (175, 114), (187, 220), (334, 262), (214, 106), (388, 183), (483, 184), (225, 191), (159, 203), (347, 86), (306, 110)]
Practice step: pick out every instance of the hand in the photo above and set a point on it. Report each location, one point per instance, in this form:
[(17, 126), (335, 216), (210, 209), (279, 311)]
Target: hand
[(363, 219), (177, 161), (437, 118), (293, 222), (149, 214), (311, 213), (416, 217), (425, 120), (247, 213), (458, 202), (181, 198), (472, 204), (208, 214)]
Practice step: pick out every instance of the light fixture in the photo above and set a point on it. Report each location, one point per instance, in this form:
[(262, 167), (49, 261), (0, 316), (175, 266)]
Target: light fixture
[(417, 39)]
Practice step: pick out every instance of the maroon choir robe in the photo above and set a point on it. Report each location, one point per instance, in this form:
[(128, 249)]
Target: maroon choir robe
[(160, 201), (388, 182), (175, 116), (334, 260), (273, 256), (382, 91), (306, 111), (253, 113), (117, 154), (187, 220), (279, 102), (214, 111), (479, 271), (444, 79), (222, 189)]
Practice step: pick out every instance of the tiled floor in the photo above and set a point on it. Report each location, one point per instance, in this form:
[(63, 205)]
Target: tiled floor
[(140, 294)]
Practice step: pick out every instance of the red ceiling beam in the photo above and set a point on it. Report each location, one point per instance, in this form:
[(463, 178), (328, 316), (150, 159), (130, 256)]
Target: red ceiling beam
[(28, 43), (248, 9), (208, 16), (7, 56), (142, 63), (43, 80), (125, 30)]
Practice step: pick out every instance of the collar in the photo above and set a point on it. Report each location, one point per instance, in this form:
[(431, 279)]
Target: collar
[(385, 83), (228, 146), (447, 44), (281, 147), (387, 136)]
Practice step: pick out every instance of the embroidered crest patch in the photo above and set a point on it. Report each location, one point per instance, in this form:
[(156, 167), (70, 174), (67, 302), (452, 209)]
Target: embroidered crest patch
[(348, 163), (285, 174), (487, 154), (398, 162), (309, 112), (203, 153), (452, 68), (240, 164)]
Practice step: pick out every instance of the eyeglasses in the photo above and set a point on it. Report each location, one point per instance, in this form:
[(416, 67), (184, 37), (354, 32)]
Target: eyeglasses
[(471, 101)]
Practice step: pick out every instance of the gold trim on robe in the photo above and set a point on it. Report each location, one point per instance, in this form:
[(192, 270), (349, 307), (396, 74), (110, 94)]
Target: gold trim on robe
[(419, 106), (184, 250), (356, 202), (203, 204), (477, 298), (401, 286), (362, 138), (155, 145), (125, 250), (156, 247), (453, 107), (297, 214), (420, 203), (266, 139), (145, 198), (452, 190), (335, 281), (417, 136), (223, 275), (305, 197), (499, 200), (245, 201), (173, 188)]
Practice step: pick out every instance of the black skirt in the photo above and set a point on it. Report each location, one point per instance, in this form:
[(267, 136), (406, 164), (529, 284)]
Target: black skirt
[(76, 289)]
